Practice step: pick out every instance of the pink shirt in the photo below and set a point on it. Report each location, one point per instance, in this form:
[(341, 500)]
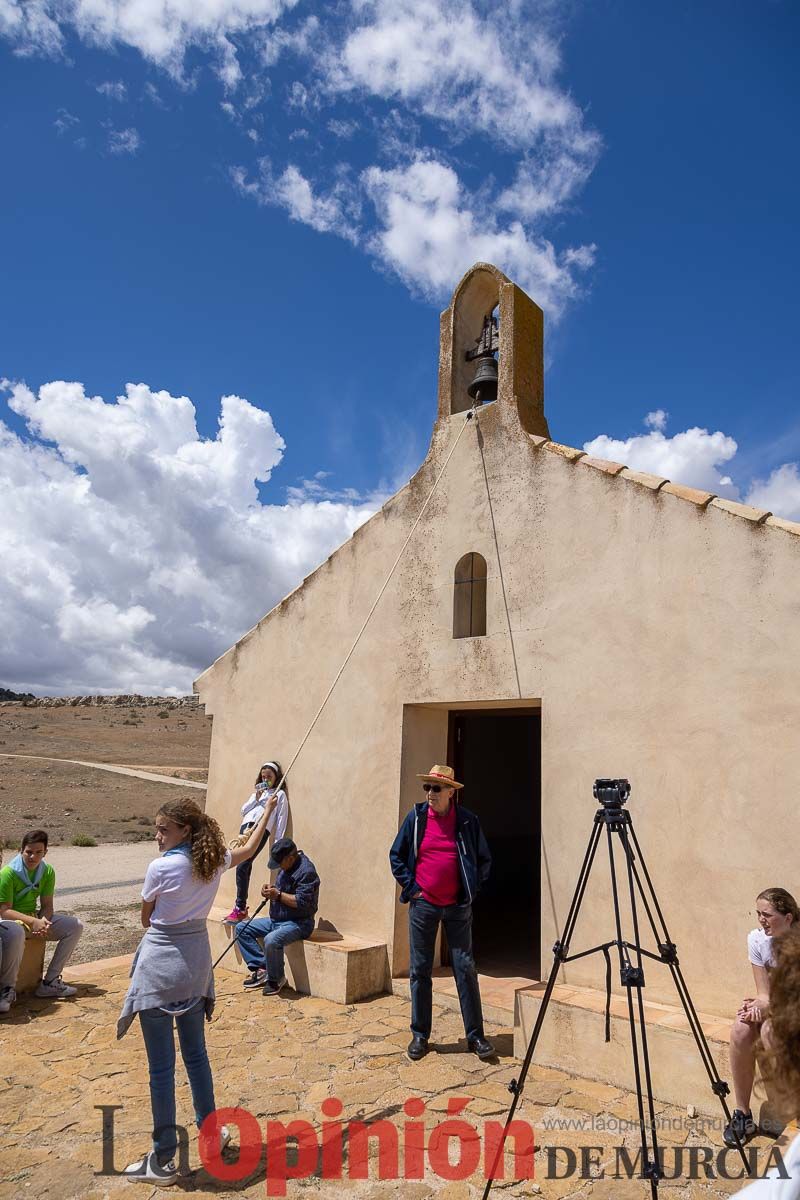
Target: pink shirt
[(437, 860)]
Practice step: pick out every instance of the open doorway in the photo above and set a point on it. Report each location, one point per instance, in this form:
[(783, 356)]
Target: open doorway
[(496, 754)]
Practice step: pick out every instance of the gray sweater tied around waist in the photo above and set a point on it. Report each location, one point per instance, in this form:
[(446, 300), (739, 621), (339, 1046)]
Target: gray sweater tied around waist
[(172, 964)]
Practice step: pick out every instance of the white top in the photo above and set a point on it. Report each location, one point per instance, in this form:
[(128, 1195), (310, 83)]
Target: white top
[(759, 949), (253, 811), (179, 895), (774, 1188)]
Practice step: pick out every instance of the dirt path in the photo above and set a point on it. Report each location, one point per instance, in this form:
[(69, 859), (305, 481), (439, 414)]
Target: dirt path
[(137, 774), (103, 886)]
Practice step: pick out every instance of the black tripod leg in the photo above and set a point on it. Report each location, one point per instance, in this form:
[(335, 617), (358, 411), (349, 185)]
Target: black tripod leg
[(559, 954), (669, 953), (654, 1167), (630, 979)]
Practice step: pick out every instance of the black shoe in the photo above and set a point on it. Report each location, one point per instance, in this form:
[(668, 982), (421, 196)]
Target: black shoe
[(481, 1047), (417, 1048), (271, 988), (741, 1125), (257, 979)]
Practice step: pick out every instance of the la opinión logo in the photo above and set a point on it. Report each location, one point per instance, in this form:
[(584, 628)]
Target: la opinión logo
[(454, 1149)]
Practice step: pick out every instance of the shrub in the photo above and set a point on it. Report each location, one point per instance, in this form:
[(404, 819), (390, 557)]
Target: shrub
[(164, 714), (83, 839)]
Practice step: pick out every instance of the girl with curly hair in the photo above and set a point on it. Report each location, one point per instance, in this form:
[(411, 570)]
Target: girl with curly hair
[(172, 982), (780, 1039), (777, 912)]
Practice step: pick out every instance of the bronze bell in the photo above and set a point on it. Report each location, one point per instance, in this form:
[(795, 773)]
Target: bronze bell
[(484, 386)]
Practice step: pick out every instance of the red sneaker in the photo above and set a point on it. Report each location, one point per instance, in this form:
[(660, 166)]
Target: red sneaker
[(235, 915)]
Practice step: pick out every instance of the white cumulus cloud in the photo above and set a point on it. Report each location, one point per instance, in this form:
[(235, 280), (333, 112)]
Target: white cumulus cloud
[(488, 71), (135, 551), (780, 493), (161, 30), (696, 458), (431, 86), (431, 229), (335, 211), (692, 457), (657, 419)]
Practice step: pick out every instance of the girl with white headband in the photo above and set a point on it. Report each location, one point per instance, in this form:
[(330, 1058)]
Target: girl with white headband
[(269, 775)]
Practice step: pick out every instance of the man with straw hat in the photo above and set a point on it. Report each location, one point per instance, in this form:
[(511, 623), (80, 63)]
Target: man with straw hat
[(440, 859)]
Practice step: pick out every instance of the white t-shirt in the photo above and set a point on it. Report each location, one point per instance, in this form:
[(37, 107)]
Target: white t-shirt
[(772, 1188), (759, 949), (253, 811), (179, 895)]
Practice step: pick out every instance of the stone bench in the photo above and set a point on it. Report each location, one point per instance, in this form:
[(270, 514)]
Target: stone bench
[(333, 965), (32, 965)]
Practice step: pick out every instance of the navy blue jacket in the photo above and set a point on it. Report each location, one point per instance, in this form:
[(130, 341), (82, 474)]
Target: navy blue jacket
[(302, 882), (474, 857)]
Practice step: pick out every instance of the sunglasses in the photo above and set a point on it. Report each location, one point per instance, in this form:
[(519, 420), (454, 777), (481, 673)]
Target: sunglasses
[(432, 787)]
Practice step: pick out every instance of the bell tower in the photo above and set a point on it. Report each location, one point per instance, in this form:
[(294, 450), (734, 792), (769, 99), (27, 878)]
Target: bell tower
[(489, 315)]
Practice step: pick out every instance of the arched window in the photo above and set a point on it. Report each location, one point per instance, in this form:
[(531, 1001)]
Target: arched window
[(469, 597)]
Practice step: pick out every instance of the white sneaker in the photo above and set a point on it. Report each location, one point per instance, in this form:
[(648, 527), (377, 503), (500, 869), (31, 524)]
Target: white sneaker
[(55, 989), (7, 998), (147, 1170), (224, 1137)]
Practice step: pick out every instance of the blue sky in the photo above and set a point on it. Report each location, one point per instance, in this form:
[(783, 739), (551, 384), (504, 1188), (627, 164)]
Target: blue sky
[(269, 201)]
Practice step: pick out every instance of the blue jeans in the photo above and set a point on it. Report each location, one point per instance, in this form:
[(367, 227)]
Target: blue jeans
[(245, 870), (274, 935), (159, 1042), (423, 925)]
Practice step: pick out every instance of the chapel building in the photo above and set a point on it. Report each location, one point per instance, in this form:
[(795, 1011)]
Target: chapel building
[(554, 618)]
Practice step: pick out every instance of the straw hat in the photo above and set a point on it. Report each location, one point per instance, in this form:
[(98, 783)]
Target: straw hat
[(440, 774)]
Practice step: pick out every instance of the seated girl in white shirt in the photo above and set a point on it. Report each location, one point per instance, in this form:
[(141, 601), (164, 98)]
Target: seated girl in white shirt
[(777, 912)]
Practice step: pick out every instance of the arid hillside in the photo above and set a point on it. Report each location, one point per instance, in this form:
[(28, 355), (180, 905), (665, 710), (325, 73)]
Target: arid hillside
[(71, 800)]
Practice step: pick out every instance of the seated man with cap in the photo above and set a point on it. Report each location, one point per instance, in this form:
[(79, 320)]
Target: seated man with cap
[(440, 858), (294, 899)]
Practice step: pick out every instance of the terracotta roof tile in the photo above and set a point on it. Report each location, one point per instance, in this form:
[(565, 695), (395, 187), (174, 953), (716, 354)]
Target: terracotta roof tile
[(602, 464), (779, 523), (756, 515), (568, 452), (702, 499), (654, 482), (693, 495)]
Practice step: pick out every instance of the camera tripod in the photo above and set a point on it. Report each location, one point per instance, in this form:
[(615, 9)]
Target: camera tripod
[(611, 794)]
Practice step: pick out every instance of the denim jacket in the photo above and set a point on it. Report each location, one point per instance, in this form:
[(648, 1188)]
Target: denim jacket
[(474, 858), (302, 882)]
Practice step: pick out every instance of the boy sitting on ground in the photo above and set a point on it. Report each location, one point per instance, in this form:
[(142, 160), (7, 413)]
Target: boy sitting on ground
[(26, 881)]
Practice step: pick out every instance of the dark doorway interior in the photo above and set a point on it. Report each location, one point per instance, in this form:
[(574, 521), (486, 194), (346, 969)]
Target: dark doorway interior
[(497, 756)]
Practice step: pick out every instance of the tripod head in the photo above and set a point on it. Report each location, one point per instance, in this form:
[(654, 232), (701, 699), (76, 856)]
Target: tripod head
[(611, 793)]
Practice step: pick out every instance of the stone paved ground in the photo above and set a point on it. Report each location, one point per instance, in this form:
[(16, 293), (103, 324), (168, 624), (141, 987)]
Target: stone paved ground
[(281, 1058)]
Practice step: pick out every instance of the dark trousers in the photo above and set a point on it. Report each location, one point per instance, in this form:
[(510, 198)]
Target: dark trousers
[(423, 925), (244, 871)]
